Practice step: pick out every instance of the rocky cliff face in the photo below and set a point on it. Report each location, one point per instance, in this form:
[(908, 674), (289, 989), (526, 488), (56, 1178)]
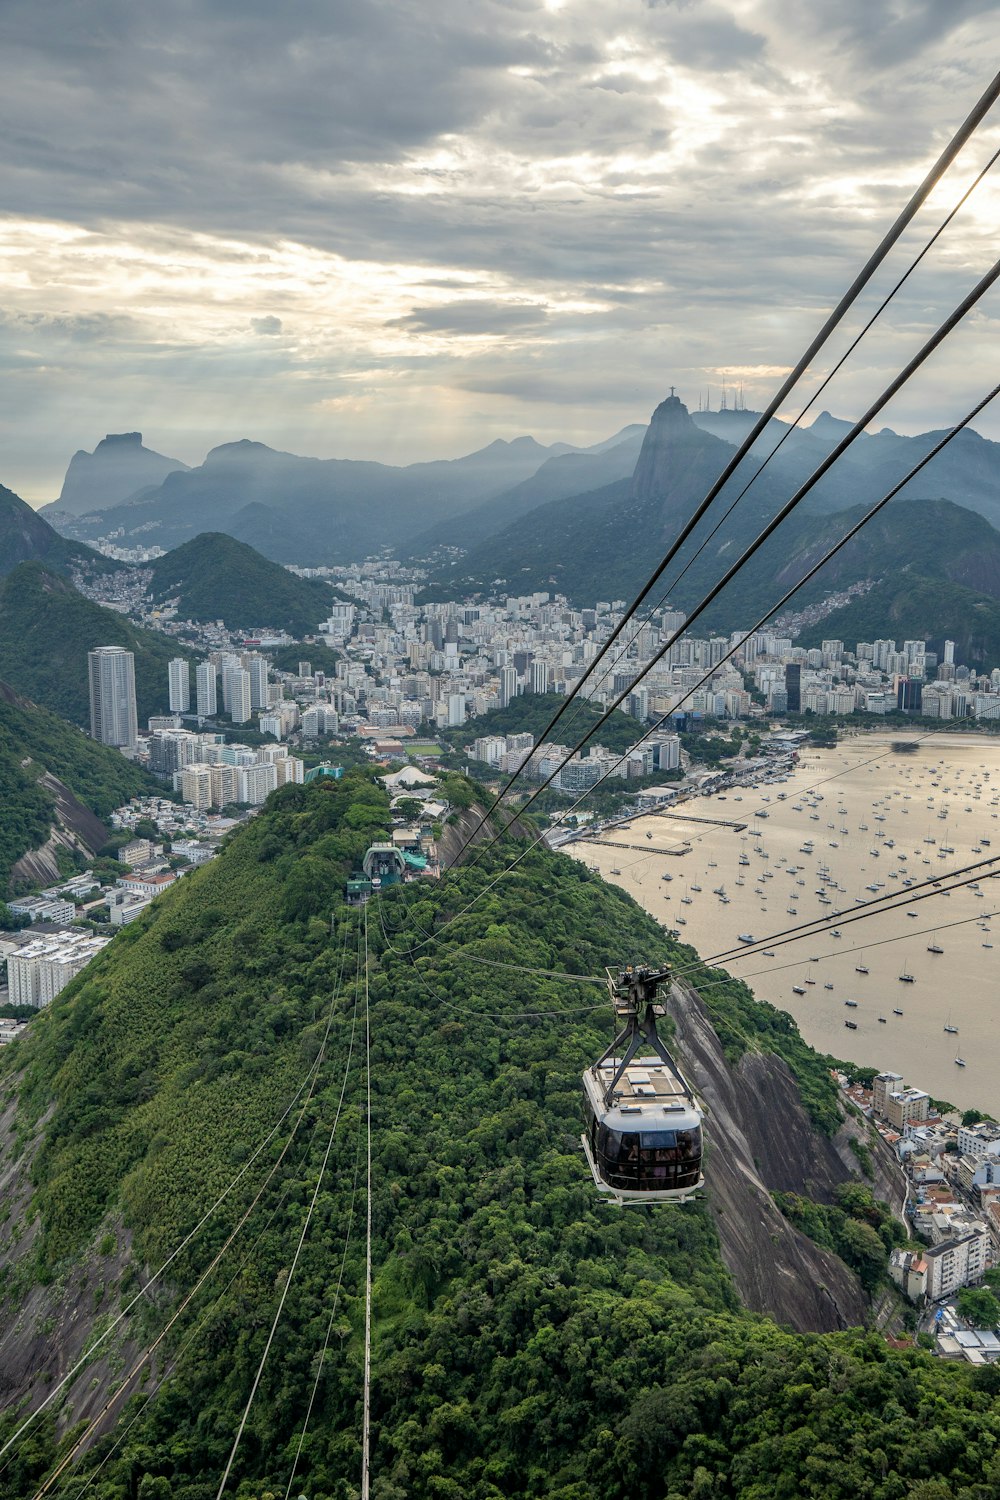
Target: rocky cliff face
[(760, 1140), (117, 468), (75, 827)]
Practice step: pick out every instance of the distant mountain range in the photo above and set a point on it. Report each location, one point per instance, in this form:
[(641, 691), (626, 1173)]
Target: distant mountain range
[(215, 577), (605, 543), (295, 509), (588, 522)]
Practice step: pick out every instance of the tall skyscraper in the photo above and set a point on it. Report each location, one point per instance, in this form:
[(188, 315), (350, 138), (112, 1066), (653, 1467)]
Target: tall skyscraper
[(257, 667), (793, 686), (179, 677), (236, 693), (539, 676), (508, 686), (208, 696), (113, 717)]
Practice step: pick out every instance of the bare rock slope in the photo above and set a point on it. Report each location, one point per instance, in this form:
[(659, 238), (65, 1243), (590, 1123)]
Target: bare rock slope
[(760, 1140)]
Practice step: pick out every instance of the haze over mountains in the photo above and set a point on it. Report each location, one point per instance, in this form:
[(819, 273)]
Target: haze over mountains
[(292, 508), (531, 508), (519, 516)]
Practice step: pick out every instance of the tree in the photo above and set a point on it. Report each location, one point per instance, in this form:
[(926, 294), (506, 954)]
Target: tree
[(979, 1307)]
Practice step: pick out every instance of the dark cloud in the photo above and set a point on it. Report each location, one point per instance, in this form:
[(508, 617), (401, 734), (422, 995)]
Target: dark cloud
[(473, 317), (590, 191)]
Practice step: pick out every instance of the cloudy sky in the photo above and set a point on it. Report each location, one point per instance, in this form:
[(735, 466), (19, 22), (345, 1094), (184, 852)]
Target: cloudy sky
[(399, 229)]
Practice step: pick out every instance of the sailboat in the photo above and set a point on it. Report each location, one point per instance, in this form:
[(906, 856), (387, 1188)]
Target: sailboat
[(935, 946), (861, 967), (906, 977)]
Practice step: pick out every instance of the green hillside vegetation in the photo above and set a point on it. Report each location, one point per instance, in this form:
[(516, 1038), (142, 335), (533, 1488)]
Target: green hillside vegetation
[(46, 629), (913, 607), (530, 713), (99, 776), (528, 1340), (26, 536), (605, 544), (910, 544), (215, 577)]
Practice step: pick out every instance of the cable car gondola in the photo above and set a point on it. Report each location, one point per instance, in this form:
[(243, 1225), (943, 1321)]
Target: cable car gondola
[(643, 1139)]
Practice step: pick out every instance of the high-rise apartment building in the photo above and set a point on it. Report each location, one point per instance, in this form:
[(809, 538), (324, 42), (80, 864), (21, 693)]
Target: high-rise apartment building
[(257, 667), (539, 676), (113, 718), (207, 688), (236, 693), (179, 679)]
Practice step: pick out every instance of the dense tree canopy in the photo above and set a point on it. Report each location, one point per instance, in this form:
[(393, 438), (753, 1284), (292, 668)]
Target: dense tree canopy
[(528, 1341)]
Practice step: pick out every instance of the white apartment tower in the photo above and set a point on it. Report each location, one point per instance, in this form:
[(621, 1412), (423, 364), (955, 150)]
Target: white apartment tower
[(236, 693), (113, 718), (208, 694), (257, 667), (179, 678)]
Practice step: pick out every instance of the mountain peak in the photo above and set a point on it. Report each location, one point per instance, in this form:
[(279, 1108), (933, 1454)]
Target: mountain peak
[(243, 448), (672, 412), (116, 470), (670, 438)]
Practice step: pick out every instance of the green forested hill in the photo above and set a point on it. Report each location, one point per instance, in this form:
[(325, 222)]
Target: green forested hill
[(214, 577), (528, 1341), (26, 536), (912, 606), (46, 629), (33, 741)]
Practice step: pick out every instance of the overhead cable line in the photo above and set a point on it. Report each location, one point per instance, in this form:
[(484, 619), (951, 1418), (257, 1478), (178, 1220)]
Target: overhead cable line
[(504, 1017), (329, 1327), (958, 140), (176, 1358), (859, 913), (790, 428), (866, 947), (927, 349), (295, 1258), (366, 1416), (310, 1079), (697, 968), (147, 1354), (831, 552)]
